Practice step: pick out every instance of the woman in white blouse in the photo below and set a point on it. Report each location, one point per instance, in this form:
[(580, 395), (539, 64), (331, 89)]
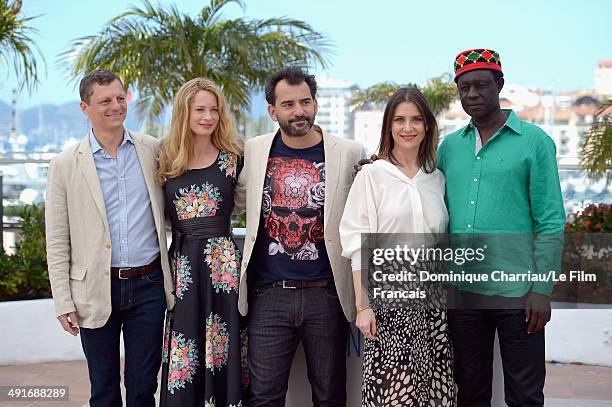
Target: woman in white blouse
[(407, 358)]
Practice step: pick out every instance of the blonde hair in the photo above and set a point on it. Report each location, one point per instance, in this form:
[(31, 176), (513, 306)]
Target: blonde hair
[(175, 150)]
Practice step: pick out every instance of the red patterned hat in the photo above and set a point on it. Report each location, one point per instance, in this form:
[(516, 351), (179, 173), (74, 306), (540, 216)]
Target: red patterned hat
[(479, 58)]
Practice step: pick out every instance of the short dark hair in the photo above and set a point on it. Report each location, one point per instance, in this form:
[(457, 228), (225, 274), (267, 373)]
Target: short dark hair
[(99, 76), (294, 75), (497, 75)]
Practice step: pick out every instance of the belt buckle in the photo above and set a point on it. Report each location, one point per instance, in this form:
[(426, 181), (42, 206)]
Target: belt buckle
[(123, 269), (287, 286)]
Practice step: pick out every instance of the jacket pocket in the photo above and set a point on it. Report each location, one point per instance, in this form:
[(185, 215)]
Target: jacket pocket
[(77, 273)]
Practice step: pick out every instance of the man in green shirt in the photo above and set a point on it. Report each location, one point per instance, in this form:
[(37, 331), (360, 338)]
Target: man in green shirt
[(501, 178)]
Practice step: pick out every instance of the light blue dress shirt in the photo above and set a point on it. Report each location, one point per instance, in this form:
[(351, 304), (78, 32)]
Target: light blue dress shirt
[(128, 206)]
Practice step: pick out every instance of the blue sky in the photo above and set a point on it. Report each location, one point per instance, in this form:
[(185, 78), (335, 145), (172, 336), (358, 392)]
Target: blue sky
[(547, 44)]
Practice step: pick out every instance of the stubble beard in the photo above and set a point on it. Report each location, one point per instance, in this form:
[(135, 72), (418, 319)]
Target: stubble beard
[(289, 130)]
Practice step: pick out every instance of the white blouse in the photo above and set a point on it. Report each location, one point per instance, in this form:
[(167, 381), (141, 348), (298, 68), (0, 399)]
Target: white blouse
[(385, 200)]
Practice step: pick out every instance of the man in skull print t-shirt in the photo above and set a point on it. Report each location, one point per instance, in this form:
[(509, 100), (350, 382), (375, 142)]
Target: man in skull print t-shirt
[(295, 287), (290, 243)]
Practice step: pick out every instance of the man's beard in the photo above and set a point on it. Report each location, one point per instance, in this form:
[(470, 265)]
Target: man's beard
[(288, 129)]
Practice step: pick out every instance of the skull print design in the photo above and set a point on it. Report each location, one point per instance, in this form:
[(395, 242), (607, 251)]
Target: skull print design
[(293, 206)]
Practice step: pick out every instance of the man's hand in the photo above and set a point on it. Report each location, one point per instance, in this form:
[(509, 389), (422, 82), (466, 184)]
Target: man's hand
[(537, 311), (362, 162), (366, 322), (69, 323)]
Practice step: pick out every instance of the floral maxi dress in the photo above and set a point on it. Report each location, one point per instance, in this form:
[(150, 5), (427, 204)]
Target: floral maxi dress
[(204, 354)]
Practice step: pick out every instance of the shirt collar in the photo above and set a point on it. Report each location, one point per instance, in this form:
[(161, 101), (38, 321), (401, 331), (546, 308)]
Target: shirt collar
[(95, 146), (512, 122)]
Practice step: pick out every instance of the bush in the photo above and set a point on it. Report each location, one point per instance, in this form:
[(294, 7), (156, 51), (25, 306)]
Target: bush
[(24, 275), (592, 219), (239, 221), (10, 280), (587, 240), (13, 210)]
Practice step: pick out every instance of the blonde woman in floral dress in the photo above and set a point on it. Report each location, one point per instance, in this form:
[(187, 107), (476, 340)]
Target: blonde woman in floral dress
[(204, 355)]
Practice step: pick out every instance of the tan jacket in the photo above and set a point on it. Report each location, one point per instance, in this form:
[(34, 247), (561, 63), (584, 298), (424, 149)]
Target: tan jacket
[(78, 236), (340, 157)]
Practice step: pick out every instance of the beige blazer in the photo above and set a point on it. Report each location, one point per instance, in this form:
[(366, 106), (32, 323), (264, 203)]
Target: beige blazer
[(340, 157), (78, 236)]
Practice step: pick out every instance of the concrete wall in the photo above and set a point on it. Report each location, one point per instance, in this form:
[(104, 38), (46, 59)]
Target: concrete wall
[(580, 336), (31, 334)]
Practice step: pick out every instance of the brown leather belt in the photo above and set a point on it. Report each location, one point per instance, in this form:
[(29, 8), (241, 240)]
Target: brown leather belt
[(295, 284), (124, 273)]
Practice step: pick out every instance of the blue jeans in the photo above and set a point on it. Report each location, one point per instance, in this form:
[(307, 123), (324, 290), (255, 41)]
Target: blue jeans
[(138, 307), (279, 318)]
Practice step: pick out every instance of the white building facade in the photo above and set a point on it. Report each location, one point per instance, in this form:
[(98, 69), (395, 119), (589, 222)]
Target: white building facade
[(602, 78), (368, 123), (335, 115)]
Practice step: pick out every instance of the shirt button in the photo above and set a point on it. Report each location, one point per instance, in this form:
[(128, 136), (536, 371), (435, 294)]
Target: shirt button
[(478, 158), (472, 202), (106, 273), (475, 179), (107, 246), (469, 226), (122, 219), (252, 238)]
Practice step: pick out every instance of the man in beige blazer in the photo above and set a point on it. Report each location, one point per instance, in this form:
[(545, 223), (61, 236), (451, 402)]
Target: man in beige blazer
[(106, 247), (294, 186)]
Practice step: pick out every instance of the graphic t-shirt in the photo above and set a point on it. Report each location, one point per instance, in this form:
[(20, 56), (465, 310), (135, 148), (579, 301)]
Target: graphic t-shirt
[(290, 244)]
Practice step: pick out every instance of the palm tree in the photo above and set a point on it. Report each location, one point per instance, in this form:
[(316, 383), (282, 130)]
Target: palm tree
[(439, 91), (596, 150), (156, 50), (16, 45), (377, 94)]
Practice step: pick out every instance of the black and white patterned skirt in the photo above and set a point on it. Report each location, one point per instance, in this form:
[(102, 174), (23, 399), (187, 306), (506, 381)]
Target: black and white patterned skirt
[(410, 363)]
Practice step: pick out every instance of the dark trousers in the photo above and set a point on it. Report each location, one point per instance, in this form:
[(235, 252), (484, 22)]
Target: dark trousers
[(279, 318), (473, 335), (138, 307)]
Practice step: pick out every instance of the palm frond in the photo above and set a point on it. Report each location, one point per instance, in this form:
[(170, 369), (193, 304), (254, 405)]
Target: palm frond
[(155, 50), (17, 47), (377, 94), (596, 149)]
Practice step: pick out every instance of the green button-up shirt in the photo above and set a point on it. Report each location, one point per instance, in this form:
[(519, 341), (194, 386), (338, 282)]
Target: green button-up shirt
[(510, 186)]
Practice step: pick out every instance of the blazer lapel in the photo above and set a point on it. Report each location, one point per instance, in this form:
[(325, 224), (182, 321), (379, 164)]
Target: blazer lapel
[(261, 156), (332, 171), (146, 157), (88, 167)]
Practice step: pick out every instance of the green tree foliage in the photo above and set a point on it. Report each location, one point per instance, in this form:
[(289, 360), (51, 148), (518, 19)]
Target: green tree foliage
[(377, 94), (596, 149), (440, 92), (16, 45), (156, 50), (23, 275)]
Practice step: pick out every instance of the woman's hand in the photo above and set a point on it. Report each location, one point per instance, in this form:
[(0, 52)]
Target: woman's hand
[(366, 322)]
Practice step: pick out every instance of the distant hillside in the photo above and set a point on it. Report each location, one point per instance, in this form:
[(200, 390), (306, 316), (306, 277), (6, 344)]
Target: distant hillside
[(52, 124)]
